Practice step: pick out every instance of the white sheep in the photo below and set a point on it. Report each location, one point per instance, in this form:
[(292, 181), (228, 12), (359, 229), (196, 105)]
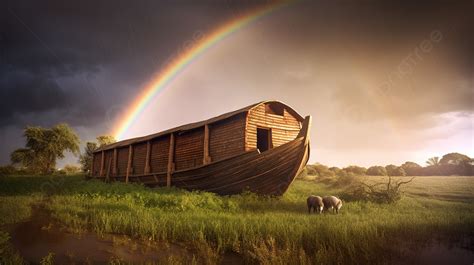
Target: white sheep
[(332, 202)]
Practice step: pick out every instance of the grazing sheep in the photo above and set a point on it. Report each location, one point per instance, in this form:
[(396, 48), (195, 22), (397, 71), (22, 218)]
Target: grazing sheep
[(332, 202), (315, 203)]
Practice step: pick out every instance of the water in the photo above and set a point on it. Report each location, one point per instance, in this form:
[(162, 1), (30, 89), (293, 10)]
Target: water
[(440, 254), (35, 238)]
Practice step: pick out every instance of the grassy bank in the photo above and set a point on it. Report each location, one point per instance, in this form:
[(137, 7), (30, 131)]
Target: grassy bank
[(261, 230)]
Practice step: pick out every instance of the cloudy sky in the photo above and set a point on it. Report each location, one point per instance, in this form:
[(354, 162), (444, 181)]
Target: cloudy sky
[(385, 82)]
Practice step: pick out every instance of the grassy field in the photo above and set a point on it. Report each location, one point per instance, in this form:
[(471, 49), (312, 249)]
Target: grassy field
[(259, 230)]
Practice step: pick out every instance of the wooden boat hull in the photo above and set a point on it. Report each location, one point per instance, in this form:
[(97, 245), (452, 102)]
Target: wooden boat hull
[(267, 173)]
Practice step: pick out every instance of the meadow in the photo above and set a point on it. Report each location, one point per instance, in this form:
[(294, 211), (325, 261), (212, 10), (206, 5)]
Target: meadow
[(247, 228)]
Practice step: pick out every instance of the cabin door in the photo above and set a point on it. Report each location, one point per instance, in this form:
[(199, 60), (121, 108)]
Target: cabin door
[(264, 139)]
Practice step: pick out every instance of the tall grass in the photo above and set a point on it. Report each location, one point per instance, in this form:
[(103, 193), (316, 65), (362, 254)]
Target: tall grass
[(261, 229)]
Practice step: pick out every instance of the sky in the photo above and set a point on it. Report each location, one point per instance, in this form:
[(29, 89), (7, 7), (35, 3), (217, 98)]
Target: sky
[(385, 81)]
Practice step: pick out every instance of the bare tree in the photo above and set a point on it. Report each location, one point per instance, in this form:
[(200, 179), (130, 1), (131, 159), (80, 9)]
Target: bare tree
[(380, 192)]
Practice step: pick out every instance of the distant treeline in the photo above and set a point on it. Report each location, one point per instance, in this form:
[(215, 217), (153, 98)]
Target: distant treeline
[(449, 165)]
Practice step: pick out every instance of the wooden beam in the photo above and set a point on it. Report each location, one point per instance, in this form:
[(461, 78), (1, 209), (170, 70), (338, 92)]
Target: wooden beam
[(92, 165), (114, 169), (129, 163), (170, 161), (147, 159), (246, 131), (102, 161), (206, 158), (107, 174)]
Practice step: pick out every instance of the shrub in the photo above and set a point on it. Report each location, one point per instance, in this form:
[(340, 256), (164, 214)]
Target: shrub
[(7, 170), (377, 171), (393, 170), (345, 180), (356, 170), (71, 169), (320, 171), (379, 192)]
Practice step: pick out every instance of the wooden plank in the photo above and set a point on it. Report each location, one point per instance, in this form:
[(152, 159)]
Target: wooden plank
[(170, 161), (139, 158), (246, 125), (102, 161), (114, 169), (122, 161), (147, 159), (107, 175), (129, 163), (92, 165), (206, 158)]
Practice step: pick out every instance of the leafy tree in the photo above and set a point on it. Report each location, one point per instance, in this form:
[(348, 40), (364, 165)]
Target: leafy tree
[(454, 159), (455, 164), (105, 140), (319, 170), (376, 171), (337, 171), (412, 168), (85, 158), (356, 170), (433, 161), (393, 170), (44, 146)]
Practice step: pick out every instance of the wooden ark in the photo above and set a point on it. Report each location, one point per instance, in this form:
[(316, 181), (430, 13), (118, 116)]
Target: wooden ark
[(260, 148)]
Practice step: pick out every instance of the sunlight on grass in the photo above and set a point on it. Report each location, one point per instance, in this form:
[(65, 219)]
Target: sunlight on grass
[(261, 229)]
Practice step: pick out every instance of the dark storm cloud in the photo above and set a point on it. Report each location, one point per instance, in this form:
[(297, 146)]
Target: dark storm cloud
[(24, 93), (83, 62), (41, 42)]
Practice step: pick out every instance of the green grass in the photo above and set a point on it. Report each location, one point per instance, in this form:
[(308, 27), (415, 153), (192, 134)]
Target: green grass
[(261, 230)]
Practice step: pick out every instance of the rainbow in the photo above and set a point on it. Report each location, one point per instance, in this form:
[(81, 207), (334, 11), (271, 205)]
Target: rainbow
[(178, 64)]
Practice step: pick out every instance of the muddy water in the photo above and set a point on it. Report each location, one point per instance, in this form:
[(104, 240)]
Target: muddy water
[(35, 238), (440, 254)]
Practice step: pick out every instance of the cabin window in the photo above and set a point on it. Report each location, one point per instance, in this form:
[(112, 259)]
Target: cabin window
[(276, 109), (264, 139)]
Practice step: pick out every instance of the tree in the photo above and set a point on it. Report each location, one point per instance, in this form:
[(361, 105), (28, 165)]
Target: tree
[(319, 170), (377, 171), (455, 164), (454, 159), (356, 170), (44, 146), (412, 168), (85, 158), (433, 161), (104, 140), (393, 170)]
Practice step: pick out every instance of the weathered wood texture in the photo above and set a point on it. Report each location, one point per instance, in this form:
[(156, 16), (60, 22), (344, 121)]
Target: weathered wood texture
[(189, 149), (226, 138), (268, 173), (122, 160), (218, 156), (96, 161), (108, 157), (159, 154), (284, 128), (138, 159), (171, 165)]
